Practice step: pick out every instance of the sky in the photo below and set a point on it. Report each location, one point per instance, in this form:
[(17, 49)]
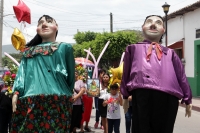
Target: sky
[(85, 15)]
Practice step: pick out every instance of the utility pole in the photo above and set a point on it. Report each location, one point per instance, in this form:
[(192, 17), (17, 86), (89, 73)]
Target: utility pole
[(1, 31), (111, 23)]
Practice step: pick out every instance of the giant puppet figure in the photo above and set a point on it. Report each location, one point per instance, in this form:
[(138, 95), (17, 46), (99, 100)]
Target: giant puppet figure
[(44, 83), (155, 77)]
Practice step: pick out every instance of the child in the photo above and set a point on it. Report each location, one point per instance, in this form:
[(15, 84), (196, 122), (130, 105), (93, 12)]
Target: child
[(113, 100)]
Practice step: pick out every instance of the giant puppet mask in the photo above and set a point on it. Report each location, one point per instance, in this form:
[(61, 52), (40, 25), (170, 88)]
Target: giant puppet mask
[(153, 28), (47, 28)]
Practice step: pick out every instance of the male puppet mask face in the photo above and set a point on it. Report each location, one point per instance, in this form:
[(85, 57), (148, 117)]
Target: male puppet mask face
[(47, 28), (153, 28)]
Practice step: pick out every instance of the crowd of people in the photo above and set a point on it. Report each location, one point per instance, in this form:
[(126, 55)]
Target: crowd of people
[(50, 96)]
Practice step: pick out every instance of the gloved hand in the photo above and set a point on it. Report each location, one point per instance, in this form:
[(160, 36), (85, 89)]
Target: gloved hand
[(125, 105), (14, 102), (188, 110)]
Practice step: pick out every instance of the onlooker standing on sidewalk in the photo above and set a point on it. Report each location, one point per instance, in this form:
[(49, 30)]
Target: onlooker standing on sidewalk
[(5, 112), (127, 105), (155, 77), (87, 108), (103, 109), (113, 100), (101, 73), (79, 89)]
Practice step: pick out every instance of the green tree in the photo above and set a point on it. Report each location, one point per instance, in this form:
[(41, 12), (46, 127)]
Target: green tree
[(118, 42), (8, 62), (81, 37)]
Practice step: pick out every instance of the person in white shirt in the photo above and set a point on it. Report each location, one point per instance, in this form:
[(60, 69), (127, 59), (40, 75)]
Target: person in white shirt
[(103, 109), (113, 100)]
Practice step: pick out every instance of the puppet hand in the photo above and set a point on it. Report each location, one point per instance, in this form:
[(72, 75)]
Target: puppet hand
[(188, 110), (14, 102), (130, 98), (125, 105)]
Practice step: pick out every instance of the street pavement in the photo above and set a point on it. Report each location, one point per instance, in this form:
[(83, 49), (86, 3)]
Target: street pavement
[(98, 130), (187, 125), (182, 125)]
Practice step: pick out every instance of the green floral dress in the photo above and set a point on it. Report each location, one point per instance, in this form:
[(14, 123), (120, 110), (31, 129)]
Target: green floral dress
[(45, 82)]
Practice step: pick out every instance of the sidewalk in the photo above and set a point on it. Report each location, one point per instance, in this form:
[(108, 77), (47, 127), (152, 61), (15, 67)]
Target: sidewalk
[(195, 104)]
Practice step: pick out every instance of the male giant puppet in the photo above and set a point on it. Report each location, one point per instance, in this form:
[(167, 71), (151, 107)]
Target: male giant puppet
[(155, 77), (44, 83)]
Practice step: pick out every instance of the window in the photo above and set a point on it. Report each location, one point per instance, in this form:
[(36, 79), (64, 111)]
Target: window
[(179, 52)]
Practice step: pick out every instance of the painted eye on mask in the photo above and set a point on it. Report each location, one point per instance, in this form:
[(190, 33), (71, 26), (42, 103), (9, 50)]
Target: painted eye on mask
[(49, 21), (158, 22)]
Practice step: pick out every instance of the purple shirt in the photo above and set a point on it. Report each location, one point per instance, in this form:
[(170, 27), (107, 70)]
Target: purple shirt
[(77, 87), (166, 75)]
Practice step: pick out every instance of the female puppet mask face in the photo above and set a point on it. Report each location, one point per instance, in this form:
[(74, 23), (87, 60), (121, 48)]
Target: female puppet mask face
[(153, 28), (47, 28)]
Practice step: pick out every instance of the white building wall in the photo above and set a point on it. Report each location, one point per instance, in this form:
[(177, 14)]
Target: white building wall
[(175, 30), (185, 27), (191, 23)]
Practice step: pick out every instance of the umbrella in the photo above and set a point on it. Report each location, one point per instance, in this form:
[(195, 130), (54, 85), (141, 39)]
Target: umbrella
[(84, 61)]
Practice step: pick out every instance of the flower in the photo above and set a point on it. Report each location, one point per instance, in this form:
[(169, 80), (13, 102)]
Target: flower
[(9, 77), (82, 72), (13, 76)]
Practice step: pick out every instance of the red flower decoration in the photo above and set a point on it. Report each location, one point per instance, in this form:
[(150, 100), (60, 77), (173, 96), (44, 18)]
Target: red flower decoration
[(47, 126), (13, 76), (31, 116), (7, 73), (55, 97), (18, 102), (23, 113), (44, 114), (41, 108), (46, 52), (53, 105), (62, 116), (30, 126), (41, 124), (29, 100)]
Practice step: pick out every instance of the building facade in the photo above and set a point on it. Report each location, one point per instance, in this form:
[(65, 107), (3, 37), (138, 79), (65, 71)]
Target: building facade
[(184, 37)]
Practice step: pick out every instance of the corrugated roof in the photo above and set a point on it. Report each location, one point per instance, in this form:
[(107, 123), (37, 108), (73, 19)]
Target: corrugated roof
[(183, 10)]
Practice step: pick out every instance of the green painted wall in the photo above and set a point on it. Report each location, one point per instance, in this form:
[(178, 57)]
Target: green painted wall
[(192, 82), (195, 82)]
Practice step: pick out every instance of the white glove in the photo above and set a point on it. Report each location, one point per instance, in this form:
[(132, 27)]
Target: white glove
[(188, 110), (125, 105), (14, 102)]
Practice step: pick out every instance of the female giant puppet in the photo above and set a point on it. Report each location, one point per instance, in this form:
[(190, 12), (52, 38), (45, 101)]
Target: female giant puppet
[(44, 83), (155, 77)]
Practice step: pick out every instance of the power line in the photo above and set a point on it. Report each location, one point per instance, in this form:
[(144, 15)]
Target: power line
[(61, 9)]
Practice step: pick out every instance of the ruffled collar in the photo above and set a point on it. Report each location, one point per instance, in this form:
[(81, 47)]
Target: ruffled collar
[(46, 48)]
